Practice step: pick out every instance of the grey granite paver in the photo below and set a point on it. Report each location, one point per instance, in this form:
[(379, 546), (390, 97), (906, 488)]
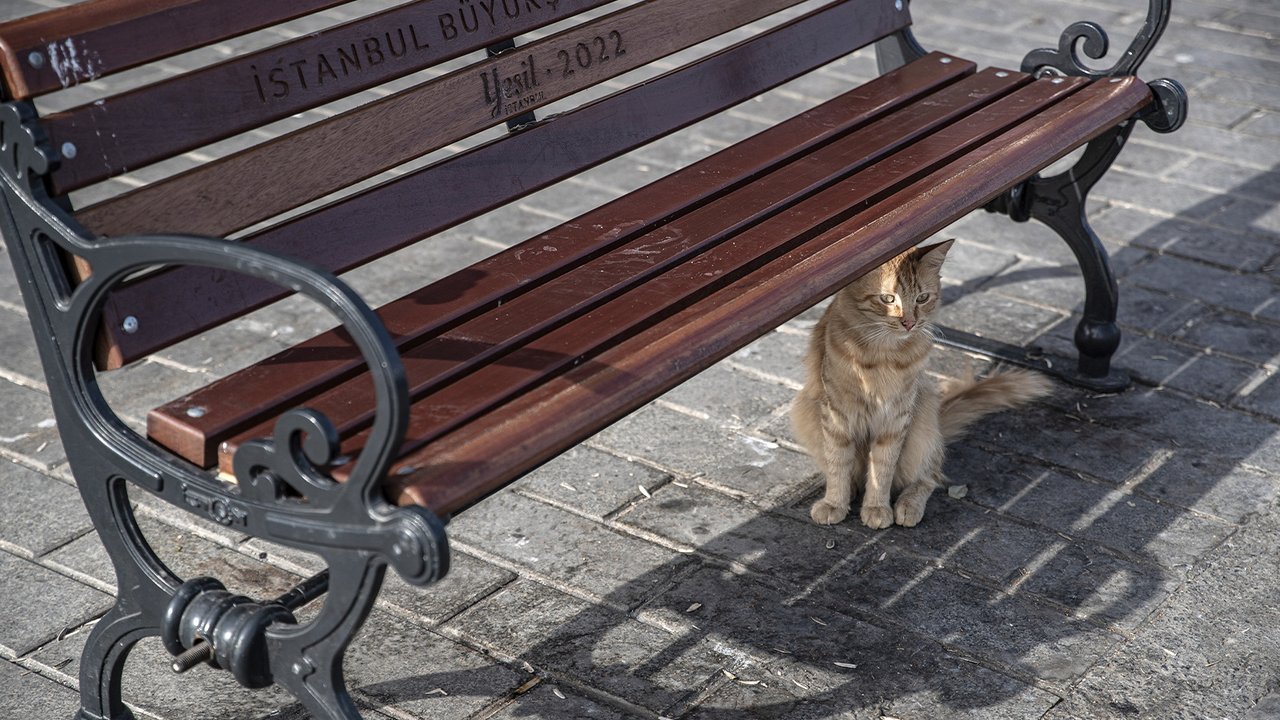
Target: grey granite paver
[(1113, 556), (30, 432), (469, 580), (591, 481), (1002, 318), (732, 531), (25, 594), (733, 400), (1212, 652), (574, 641), (20, 358), (1018, 633), (818, 662), (52, 511), (599, 560), (778, 354), (1234, 334), (186, 553), (407, 669), (28, 695), (1124, 522), (548, 701), (725, 458)]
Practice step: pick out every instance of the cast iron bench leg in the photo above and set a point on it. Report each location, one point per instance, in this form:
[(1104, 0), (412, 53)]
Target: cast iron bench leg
[(1059, 202), (144, 587)]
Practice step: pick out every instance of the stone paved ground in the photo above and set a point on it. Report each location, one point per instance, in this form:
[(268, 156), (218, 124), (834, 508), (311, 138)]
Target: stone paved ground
[(1114, 557)]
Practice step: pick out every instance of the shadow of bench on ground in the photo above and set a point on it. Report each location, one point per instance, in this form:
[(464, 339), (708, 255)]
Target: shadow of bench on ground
[(1082, 515)]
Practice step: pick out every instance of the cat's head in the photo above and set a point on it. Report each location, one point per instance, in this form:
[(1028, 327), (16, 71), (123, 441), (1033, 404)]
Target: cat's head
[(898, 298)]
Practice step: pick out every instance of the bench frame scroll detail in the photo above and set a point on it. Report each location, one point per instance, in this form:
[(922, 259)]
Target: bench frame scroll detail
[(283, 493)]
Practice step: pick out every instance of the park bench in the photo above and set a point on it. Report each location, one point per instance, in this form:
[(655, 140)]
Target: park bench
[(358, 444)]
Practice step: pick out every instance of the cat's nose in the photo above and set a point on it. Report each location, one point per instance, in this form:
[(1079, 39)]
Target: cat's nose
[(908, 324)]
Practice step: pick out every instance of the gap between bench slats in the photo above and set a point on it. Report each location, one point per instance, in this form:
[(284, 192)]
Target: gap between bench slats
[(264, 389), (170, 306), (92, 39), (258, 183), (509, 334), (465, 465), (179, 114)]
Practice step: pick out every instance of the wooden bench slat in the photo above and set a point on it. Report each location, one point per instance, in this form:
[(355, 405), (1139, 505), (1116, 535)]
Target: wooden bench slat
[(258, 183), (176, 304), (671, 248), (190, 110), (467, 464), (88, 40), (687, 282), (690, 282), (329, 358)]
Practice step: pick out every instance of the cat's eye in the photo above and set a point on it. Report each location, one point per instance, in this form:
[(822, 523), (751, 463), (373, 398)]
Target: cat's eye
[(922, 298), (887, 299)]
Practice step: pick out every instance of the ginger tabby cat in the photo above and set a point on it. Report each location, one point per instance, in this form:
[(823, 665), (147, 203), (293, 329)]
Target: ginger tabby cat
[(868, 414)]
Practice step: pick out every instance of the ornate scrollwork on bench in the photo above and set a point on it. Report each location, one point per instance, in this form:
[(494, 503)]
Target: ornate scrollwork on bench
[(283, 493), (25, 152), (1089, 36), (1169, 106)]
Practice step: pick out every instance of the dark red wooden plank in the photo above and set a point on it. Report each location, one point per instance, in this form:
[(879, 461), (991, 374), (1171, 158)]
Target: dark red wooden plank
[(88, 40), (184, 112), (177, 304), (491, 337), (260, 182), (487, 453), (328, 358), (577, 342), (629, 313)]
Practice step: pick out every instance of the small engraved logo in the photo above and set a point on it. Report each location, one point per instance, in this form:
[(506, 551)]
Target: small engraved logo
[(513, 92), (220, 510)]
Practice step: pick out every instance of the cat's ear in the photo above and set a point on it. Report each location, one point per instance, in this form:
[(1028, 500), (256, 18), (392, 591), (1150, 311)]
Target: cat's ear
[(931, 256)]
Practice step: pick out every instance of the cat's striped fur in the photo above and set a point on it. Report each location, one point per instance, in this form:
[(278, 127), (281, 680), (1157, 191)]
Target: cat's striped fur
[(869, 414)]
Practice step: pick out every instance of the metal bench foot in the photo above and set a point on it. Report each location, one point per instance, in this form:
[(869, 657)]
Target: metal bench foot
[(102, 662), (1035, 358)]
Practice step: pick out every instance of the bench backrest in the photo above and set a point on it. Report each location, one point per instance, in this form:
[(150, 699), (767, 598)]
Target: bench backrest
[(471, 73)]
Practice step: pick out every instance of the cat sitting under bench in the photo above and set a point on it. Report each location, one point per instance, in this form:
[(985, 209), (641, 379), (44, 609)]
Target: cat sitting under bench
[(870, 416)]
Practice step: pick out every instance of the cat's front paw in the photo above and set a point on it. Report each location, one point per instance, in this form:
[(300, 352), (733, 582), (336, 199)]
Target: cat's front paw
[(824, 513), (877, 516), (908, 514)]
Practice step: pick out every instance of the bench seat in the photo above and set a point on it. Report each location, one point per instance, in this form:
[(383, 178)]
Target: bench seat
[(521, 355)]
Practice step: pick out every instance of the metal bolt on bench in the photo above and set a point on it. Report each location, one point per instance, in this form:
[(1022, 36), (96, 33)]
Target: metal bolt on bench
[(410, 414)]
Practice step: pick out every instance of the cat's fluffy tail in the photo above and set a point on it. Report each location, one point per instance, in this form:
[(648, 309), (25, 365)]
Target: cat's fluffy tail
[(967, 399)]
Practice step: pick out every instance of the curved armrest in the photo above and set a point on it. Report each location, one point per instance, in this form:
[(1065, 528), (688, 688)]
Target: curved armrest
[(347, 519), (304, 440)]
